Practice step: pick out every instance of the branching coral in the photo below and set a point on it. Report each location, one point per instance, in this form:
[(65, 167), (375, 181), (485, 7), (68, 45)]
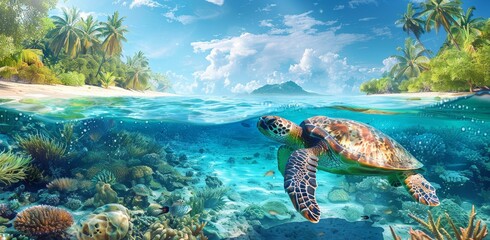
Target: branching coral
[(471, 232), (42, 149), (43, 222), (13, 168)]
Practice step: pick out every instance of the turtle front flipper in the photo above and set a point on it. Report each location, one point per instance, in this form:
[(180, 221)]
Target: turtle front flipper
[(300, 183), (420, 189), (283, 154)]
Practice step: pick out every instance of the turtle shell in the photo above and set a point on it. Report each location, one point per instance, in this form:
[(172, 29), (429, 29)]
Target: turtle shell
[(359, 142)]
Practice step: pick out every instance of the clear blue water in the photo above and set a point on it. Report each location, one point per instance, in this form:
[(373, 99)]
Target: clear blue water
[(216, 138)]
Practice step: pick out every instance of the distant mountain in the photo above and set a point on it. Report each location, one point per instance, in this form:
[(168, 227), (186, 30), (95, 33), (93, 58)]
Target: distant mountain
[(286, 88)]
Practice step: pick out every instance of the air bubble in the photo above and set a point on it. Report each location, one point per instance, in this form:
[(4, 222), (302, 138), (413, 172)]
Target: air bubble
[(463, 129)]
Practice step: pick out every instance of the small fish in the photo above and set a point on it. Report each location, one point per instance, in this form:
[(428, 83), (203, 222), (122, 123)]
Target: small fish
[(388, 211), (244, 124), (364, 217), (269, 173), (273, 213), (372, 217), (178, 209)]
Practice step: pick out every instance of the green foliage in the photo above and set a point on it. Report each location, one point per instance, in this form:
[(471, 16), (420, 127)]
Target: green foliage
[(13, 167), (412, 62), (107, 79), (160, 82), (381, 85), (72, 79), (454, 70), (24, 20), (7, 47), (37, 75), (139, 71), (482, 58), (42, 149), (66, 33)]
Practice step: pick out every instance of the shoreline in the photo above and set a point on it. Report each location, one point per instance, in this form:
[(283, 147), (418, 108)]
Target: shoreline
[(18, 91), (425, 94)]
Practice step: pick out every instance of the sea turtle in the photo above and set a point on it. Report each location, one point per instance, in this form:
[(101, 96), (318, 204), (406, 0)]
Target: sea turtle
[(339, 146)]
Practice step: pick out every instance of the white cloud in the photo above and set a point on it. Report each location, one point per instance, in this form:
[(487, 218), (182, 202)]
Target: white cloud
[(182, 85), (382, 31), (356, 3), (246, 88), (184, 19), (388, 64), (148, 3), (338, 7), (217, 2), (296, 51), (266, 23), (268, 8), (366, 19)]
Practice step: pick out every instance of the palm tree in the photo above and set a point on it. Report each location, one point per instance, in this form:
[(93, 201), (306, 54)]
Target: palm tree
[(113, 33), (90, 33), (66, 34), (468, 29), (411, 23), (412, 62), (441, 12), (107, 79), (139, 71)]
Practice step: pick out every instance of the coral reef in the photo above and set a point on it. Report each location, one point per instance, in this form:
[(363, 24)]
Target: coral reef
[(43, 149), (174, 229), (13, 168), (473, 231), (105, 177), (108, 222), (453, 177), (104, 195), (141, 174), (212, 197), (338, 196), (63, 185), (43, 222), (276, 210)]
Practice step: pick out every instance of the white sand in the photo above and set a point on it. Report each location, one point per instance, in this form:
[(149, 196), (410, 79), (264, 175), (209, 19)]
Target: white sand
[(17, 91), (425, 94)]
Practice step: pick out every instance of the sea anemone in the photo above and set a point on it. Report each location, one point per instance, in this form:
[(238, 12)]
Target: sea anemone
[(43, 222), (12, 167), (42, 149), (105, 177), (63, 184)]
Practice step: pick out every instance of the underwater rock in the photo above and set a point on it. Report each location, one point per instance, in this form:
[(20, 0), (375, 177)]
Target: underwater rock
[(138, 197), (108, 222), (338, 196), (274, 209), (453, 177), (213, 182), (104, 195), (6, 211), (151, 159)]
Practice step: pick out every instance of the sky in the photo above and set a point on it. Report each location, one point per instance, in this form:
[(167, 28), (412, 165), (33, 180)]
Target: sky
[(225, 47)]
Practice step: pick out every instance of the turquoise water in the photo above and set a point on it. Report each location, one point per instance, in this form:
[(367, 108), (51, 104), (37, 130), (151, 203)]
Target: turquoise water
[(198, 145)]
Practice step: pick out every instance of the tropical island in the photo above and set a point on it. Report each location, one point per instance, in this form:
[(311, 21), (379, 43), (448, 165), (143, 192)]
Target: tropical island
[(461, 64), (69, 49), (285, 88)]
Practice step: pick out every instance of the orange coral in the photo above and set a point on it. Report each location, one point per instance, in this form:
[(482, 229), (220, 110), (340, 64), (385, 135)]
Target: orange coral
[(42, 221), (63, 184)]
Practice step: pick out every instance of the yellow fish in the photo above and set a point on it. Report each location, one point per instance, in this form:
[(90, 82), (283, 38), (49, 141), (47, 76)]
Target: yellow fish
[(269, 173)]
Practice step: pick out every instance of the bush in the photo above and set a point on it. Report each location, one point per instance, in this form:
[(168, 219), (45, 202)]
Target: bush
[(37, 75), (72, 79)]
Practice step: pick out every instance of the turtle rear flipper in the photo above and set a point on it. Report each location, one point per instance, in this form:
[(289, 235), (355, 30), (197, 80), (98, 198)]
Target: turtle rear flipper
[(300, 183), (420, 189)]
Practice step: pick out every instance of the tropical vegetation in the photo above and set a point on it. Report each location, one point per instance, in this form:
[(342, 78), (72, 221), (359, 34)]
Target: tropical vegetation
[(461, 64), (69, 49)]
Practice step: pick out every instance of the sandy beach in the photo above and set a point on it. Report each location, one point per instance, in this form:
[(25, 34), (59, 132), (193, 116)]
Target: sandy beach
[(424, 94), (17, 91)]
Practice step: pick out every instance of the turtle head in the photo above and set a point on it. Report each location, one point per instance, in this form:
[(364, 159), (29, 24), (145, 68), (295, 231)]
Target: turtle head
[(281, 130)]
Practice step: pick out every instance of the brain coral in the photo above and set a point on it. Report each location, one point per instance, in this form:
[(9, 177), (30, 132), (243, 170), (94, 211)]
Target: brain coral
[(43, 221), (338, 195), (109, 222), (141, 171)]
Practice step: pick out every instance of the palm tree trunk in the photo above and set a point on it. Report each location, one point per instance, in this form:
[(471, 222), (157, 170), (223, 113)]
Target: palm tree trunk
[(448, 30), (100, 66)]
